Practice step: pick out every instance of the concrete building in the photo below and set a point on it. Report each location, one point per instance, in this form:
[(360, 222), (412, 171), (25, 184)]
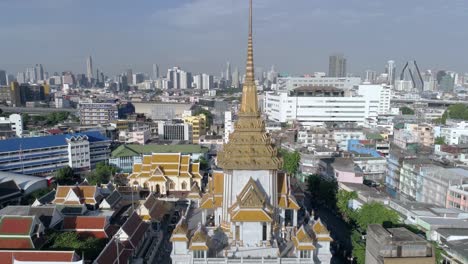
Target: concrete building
[(457, 197), (337, 66), (316, 137), (173, 131), (397, 245), (162, 111), (98, 113), (199, 125), (315, 104), (126, 155), (45, 155), (409, 174), (207, 82), (452, 135), (291, 83), (411, 134), (14, 122)]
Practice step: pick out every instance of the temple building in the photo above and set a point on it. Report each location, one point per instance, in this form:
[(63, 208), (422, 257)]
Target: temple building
[(249, 211), (163, 173)]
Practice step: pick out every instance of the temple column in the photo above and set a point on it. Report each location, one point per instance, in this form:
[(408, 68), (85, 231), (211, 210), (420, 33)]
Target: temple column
[(203, 215), (269, 231), (295, 218)]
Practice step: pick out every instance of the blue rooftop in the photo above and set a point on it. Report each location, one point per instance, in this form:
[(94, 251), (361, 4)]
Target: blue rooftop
[(16, 144)]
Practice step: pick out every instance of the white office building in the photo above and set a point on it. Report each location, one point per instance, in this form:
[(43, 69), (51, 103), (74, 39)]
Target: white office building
[(207, 82), (312, 104), (15, 122), (291, 83)]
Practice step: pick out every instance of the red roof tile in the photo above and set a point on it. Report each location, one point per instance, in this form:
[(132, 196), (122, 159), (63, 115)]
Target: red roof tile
[(15, 225), (44, 256), (16, 243), (84, 222)]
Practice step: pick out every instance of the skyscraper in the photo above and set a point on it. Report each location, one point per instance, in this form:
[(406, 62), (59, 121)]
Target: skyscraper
[(89, 68), (207, 81), (185, 80), (370, 76), (411, 73), (155, 72), (3, 77), (390, 69), (337, 65), (129, 76), (39, 71), (228, 74), (235, 78)]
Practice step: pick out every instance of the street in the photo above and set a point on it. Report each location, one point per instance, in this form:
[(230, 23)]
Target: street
[(338, 228)]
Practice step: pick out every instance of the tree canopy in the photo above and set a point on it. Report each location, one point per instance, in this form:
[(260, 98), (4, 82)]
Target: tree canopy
[(64, 176), (439, 141), (101, 174), (406, 110), (290, 161), (458, 111), (90, 247), (322, 190), (375, 213)]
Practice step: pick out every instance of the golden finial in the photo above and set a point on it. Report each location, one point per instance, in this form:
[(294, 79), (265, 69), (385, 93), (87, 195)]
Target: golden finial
[(249, 94)]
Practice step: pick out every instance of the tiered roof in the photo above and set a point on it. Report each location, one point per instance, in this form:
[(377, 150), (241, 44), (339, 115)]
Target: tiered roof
[(77, 195), (15, 232), (158, 167)]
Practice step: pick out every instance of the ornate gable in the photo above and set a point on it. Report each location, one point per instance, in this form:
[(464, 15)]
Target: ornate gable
[(251, 196)]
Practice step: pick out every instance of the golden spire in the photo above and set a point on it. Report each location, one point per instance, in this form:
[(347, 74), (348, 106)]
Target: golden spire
[(249, 146), (249, 105)]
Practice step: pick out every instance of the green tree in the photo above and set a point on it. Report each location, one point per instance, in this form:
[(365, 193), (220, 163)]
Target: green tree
[(90, 247), (439, 141), (208, 114), (342, 203), (457, 111), (203, 163), (290, 161), (359, 247), (64, 176), (406, 110), (101, 175), (322, 190), (375, 213)]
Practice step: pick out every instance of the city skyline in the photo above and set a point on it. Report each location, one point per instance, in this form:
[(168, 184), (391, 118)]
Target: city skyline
[(365, 32)]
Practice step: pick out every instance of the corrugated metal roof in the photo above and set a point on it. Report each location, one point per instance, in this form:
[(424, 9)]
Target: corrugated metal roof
[(16, 144)]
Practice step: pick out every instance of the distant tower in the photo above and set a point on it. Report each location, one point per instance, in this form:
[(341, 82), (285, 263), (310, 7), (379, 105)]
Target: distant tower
[(390, 69), (228, 74), (3, 77), (411, 73), (89, 69), (155, 72), (129, 76), (39, 72), (337, 65), (235, 78)]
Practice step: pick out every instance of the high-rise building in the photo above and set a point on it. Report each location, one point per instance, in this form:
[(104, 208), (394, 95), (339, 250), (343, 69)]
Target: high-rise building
[(390, 70), (21, 77), (207, 82), (198, 81), (235, 78), (3, 77), (155, 72), (228, 74), (31, 75), (39, 72), (371, 76), (411, 73), (89, 69), (337, 65), (129, 74), (138, 78), (185, 80)]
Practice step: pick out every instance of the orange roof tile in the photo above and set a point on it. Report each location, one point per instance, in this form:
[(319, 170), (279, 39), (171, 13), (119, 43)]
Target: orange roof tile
[(7, 256), (251, 216)]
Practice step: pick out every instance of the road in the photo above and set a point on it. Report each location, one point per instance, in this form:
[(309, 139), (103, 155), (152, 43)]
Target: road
[(339, 230), (36, 110)]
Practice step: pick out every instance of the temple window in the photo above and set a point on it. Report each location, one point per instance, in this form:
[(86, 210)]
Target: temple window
[(198, 254), (305, 254)]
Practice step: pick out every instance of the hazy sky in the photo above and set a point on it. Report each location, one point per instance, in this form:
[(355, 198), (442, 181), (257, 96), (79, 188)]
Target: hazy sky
[(201, 35)]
